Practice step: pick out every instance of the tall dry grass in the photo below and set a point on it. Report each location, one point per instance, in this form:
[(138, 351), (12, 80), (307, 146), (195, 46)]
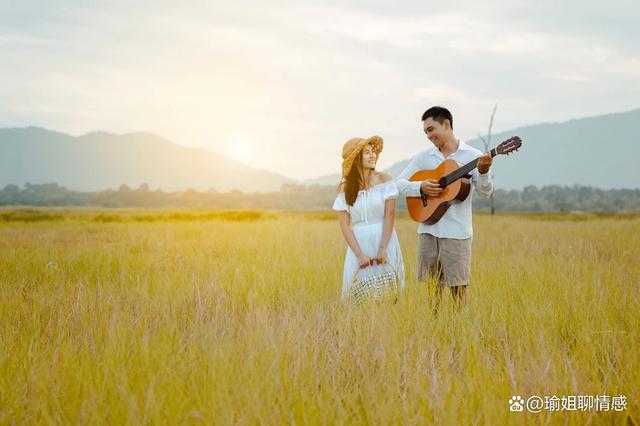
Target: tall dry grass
[(236, 319)]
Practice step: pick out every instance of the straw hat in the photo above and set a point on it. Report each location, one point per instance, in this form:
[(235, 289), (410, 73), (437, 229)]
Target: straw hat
[(352, 148)]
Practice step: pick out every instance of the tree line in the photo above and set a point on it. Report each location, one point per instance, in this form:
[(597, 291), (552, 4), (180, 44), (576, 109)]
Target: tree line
[(551, 198)]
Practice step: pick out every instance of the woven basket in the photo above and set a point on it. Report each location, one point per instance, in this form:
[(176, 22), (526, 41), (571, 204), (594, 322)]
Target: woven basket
[(376, 282)]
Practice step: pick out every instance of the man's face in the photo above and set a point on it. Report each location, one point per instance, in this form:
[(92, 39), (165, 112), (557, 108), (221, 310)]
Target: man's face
[(435, 131)]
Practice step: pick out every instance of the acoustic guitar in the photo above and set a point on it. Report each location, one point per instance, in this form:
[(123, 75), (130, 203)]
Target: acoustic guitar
[(455, 182)]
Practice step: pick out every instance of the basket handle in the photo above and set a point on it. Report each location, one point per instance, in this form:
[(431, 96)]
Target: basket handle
[(374, 261)]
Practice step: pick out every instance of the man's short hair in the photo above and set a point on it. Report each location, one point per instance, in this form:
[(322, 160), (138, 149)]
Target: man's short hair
[(439, 114)]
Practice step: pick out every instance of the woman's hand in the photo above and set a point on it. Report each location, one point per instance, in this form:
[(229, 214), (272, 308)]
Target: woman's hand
[(363, 260), (382, 253)]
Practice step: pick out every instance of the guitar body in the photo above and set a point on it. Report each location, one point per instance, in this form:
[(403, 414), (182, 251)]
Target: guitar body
[(436, 207), (455, 184)]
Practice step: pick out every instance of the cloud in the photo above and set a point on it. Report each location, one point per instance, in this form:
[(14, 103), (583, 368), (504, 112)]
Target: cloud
[(297, 79)]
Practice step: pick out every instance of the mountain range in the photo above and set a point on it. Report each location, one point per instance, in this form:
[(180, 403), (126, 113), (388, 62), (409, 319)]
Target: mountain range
[(100, 160), (595, 151), (598, 151)]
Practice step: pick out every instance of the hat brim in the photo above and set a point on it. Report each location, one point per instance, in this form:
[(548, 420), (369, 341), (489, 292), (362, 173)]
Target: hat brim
[(376, 143)]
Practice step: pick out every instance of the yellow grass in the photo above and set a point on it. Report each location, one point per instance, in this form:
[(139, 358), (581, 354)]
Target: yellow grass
[(198, 317)]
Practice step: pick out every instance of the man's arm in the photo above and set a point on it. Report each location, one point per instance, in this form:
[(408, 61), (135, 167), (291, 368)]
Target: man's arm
[(406, 187), (481, 177)]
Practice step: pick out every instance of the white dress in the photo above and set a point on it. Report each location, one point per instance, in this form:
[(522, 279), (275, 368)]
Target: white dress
[(367, 219)]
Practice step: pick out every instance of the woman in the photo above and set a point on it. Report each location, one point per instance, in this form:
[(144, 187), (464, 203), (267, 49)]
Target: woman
[(367, 204)]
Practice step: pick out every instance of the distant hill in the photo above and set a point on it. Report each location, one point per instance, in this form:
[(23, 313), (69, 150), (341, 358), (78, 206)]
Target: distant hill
[(598, 151), (100, 160)]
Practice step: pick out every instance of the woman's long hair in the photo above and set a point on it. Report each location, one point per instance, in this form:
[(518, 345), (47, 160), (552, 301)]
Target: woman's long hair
[(354, 181)]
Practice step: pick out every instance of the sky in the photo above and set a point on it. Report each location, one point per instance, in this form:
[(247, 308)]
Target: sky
[(281, 85)]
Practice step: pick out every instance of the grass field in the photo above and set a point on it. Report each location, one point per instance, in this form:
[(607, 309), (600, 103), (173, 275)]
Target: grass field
[(199, 317)]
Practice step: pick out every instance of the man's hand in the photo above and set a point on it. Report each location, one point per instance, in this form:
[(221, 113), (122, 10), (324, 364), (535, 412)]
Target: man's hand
[(431, 187), (484, 162)]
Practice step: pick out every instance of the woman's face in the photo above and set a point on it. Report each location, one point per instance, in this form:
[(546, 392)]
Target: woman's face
[(369, 158)]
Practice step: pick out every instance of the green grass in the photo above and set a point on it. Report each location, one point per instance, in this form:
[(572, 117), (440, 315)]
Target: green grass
[(203, 317)]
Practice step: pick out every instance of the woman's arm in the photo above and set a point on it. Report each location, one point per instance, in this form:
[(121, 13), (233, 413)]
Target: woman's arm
[(387, 227), (347, 232)]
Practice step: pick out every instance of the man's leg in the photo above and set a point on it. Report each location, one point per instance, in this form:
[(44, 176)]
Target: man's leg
[(455, 256), (459, 293), (428, 258), (429, 263)]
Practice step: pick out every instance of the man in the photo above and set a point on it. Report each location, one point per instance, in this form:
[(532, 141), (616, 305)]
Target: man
[(444, 248)]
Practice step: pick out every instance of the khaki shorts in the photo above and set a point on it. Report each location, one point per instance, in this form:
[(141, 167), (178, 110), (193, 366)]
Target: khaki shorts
[(446, 259)]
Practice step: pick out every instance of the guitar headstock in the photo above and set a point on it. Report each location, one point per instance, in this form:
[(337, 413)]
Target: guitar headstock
[(510, 145)]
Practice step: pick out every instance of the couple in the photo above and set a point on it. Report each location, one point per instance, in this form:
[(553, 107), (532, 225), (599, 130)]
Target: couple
[(367, 201)]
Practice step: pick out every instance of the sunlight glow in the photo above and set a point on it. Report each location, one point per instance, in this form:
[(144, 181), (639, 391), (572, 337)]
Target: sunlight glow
[(240, 147)]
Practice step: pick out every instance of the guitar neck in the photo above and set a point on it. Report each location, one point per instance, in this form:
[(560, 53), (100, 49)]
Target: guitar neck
[(462, 171)]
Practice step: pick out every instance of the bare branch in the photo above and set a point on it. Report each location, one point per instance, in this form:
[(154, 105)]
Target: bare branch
[(493, 114), (484, 142), (486, 147)]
